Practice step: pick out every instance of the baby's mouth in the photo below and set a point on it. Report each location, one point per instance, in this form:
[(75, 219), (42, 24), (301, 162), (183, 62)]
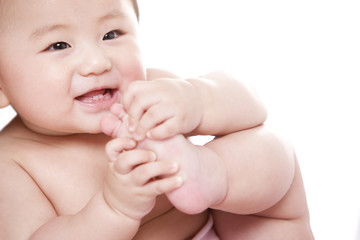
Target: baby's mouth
[(97, 96)]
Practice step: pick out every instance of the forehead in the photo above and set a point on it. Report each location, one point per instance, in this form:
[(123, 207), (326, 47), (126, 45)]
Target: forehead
[(32, 10)]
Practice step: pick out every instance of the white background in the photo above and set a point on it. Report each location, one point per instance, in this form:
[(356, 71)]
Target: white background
[(304, 59)]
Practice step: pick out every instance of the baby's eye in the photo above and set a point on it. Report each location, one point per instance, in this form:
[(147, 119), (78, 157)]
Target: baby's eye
[(112, 35), (58, 46)]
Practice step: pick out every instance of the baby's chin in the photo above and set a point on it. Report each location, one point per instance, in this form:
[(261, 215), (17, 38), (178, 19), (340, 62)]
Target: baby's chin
[(86, 129), (89, 127), (90, 130)]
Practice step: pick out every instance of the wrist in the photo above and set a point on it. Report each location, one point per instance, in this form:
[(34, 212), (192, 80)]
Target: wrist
[(115, 216), (199, 102)]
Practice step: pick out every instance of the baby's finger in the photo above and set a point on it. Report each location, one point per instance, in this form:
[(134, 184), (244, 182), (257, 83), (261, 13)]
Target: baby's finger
[(167, 129), (133, 89), (147, 172), (114, 147), (165, 185), (129, 98), (129, 160), (156, 114), (138, 107)]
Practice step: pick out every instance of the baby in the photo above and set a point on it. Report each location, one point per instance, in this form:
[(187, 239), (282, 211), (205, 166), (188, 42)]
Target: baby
[(63, 64)]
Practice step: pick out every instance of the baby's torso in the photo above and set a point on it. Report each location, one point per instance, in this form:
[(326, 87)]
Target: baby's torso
[(70, 174)]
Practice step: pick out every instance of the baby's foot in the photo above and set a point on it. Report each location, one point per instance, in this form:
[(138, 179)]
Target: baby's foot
[(204, 175), (116, 123)]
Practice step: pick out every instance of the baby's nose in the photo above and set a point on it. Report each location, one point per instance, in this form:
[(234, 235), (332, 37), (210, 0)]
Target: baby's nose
[(94, 62)]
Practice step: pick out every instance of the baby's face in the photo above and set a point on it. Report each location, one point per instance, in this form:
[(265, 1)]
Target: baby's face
[(63, 63)]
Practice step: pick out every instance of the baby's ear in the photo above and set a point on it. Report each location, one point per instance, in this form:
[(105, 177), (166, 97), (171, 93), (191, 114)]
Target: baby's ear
[(4, 101)]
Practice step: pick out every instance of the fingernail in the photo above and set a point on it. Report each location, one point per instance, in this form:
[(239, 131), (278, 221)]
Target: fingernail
[(132, 143), (152, 156), (179, 181), (174, 167), (131, 128), (148, 134), (138, 137)]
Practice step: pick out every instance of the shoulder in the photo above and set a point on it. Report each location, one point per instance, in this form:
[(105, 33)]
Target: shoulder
[(154, 73), (11, 152), (11, 170), (7, 148), (17, 149)]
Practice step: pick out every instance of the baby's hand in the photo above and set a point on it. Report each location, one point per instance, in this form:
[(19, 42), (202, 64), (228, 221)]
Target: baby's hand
[(135, 178), (162, 108)]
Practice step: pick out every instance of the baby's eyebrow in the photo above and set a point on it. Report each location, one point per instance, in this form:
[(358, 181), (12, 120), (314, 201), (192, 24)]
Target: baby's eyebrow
[(45, 29), (113, 14)]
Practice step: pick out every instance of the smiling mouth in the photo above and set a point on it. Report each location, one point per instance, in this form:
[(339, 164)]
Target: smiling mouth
[(96, 97)]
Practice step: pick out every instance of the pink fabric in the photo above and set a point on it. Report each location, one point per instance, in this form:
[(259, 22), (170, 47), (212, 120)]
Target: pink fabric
[(207, 232)]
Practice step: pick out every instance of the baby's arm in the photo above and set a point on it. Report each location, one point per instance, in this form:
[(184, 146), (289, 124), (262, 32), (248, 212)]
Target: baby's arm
[(215, 104), (129, 193), (26, 213), (229, 104)]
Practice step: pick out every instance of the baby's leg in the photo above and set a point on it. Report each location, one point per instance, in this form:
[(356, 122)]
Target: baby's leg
[(287, 219), (243, 227)]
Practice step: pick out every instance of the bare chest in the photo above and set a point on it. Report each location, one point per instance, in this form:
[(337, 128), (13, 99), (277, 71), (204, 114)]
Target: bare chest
[(68, 179)]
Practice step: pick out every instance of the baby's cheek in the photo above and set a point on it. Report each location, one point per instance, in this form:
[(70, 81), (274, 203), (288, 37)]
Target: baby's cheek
[(133, 73)]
